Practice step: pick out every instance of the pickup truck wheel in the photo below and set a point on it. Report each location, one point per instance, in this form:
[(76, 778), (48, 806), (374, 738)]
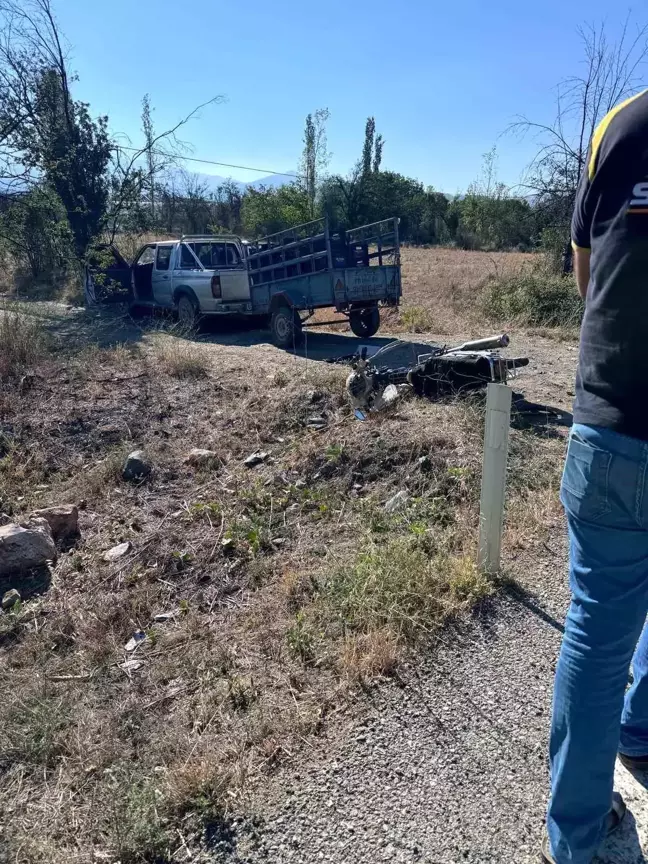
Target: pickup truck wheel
[(188, 312), (286, 327), (365, 322)]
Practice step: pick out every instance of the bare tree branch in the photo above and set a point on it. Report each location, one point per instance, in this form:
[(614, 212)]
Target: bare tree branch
[(610, 74)]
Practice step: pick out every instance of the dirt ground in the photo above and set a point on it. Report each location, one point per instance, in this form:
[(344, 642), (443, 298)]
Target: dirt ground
[(278, 602)]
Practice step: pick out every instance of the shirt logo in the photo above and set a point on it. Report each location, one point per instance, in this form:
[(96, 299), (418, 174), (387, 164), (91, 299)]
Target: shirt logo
[(639, 201)]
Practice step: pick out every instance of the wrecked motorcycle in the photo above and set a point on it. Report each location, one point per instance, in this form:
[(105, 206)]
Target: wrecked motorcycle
[(442, 371)]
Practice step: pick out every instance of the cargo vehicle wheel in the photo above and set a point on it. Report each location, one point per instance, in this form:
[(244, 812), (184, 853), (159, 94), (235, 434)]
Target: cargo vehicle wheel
[(286, 327), (365, 322), (188, 312)]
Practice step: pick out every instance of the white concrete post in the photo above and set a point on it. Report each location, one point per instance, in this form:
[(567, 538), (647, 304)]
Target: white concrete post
[(491, 511)]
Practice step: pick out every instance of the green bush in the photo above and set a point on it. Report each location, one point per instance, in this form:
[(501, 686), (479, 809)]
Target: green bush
[(536, 297)]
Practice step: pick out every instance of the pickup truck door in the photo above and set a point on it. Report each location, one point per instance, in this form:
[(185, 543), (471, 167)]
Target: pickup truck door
[(161, 279), (234, 279)]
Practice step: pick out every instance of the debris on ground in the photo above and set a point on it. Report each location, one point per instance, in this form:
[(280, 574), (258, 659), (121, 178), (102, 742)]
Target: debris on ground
[(441, 371), (136, 466), (318, 423), (163, 617), (131, 666), (137, 638), (255, 459), (63, 520), (117, 552), (10, 598), (397, 502), (24, 549)]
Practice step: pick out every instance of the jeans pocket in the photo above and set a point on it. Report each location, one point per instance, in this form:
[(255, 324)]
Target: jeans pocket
[(585, 482)]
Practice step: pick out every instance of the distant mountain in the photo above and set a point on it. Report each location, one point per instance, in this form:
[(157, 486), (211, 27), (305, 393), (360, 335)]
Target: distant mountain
[(273, 181)]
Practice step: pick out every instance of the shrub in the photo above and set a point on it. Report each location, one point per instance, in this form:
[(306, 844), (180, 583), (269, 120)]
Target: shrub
[(416, 319), (535, 297)]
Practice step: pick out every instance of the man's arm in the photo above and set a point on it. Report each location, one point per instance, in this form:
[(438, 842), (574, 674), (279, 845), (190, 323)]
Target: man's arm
[(581, 228), (582, 269)]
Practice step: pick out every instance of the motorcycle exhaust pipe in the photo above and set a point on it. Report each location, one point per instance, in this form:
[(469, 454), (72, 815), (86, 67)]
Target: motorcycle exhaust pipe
[(490, 342)]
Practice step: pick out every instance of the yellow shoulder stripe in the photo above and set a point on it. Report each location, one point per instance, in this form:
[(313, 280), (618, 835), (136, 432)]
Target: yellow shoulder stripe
[(602, 128), (580, 248)]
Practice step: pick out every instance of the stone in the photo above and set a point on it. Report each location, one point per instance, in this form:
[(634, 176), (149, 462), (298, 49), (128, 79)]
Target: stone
[(117, 552), (136, 466), (10, 598), (131, 665), (255, 459), (63, 520), (23, 549), (199, 458)]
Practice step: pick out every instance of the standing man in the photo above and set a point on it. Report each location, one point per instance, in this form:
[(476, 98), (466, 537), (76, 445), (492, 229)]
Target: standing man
[(605, 495)]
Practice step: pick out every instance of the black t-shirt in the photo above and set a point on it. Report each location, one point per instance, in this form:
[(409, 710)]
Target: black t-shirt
[(611, 219)]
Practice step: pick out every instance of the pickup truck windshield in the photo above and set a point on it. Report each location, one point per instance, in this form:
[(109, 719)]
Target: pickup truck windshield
[(215, 255)]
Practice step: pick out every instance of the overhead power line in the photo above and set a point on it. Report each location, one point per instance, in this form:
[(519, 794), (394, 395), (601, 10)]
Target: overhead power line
[(210, 162)]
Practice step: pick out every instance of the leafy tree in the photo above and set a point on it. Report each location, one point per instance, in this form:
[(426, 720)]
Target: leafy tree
[(488, 217), (228, 207), (72, 153), (315, 157), (268, 210), (34, 229), (368, 151), (151, 157), (49, 139)]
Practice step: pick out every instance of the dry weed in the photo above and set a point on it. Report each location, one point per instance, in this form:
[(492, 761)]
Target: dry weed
[(181, 358), (24, 342), (366, 656)]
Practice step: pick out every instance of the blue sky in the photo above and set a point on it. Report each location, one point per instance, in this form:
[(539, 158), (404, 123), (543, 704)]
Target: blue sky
[(443, 80)]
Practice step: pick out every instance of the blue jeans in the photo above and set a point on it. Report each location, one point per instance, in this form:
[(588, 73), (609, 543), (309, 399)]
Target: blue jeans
[(604, 492)]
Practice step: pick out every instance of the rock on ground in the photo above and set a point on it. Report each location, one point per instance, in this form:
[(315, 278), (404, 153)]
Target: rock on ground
[(63, 520), (23, 549), (199, 458), (136, 466), (10, 598), (117, 552)]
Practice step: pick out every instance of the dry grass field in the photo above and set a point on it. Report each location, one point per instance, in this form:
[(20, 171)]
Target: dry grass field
[(441, 287)]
